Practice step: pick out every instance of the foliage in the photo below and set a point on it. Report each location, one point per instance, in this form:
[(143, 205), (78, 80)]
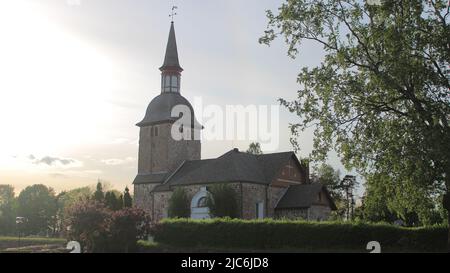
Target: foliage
[(113, 200), (100, 229), (127, 200), (126, 228), (7, 209), (254, 148), (88, 223), (38, 205), (381, 203), (380, 97), (222, 201), (279, 234), (179, 204), (99, 196), (326, 175)]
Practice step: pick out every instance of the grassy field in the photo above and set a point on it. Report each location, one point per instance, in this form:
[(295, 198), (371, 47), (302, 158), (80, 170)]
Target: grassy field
[(31, 244)]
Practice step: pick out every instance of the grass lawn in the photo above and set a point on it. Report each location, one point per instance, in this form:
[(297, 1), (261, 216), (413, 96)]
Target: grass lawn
[(30, 244)]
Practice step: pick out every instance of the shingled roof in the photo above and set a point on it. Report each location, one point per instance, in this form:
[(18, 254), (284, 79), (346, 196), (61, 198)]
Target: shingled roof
[(303, 196), (233, 166)]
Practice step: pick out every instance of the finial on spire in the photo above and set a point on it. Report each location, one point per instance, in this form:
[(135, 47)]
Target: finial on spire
[(174, 13)]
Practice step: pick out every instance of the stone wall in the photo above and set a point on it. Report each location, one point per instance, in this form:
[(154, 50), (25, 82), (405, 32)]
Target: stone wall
[(294, 214), (319, 213), (161, 153), (251, 195), (143, 197), (161, 204)]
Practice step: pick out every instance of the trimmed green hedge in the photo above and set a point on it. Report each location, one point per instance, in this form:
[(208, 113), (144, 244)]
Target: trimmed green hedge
[(283, 234)]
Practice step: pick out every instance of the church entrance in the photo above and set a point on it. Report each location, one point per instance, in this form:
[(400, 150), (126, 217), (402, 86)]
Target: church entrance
[(199, 209)]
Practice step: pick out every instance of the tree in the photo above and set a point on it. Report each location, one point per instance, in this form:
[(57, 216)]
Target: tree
[(254, 148), (67, 199), (37, 204), (382, 203), (7, 209), (87, 223), (98, 194), (113, 200), (127, 200), (222, 201), (380, 97), (179, 204), (331, 178), (121, 202)]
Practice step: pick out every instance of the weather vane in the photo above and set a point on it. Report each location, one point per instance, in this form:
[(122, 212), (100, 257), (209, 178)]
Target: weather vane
[(172, 15)]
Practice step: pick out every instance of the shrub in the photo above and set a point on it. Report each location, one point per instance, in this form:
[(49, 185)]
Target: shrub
[(179, 204), (87, 223), (282, 234), (222, 201), (127, 226), (98, 229)]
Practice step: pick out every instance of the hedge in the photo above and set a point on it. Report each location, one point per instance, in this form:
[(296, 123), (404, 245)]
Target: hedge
[(285, 234)]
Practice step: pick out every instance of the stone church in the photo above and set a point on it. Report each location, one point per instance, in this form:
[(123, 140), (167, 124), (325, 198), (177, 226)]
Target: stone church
[(270, 185)]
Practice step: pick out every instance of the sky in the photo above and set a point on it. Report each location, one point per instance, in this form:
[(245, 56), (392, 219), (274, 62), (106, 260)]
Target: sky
[(77, 75)]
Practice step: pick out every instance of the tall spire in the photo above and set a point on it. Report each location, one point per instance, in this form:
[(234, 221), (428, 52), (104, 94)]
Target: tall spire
[(171, 69), (171, 61)]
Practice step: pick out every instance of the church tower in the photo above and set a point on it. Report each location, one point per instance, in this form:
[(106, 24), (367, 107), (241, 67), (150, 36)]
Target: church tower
[(160, 153)]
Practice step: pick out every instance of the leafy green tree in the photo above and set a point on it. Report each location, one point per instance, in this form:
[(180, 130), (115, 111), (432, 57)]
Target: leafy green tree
[(7, 209), (384, 203), (380, 97), (37, 204), (127, 200), (113, 200), (222, 201), (254, 148), (179, 204), (66, 200), (110, 199), (120, 202), (99, 196), (331, 178)]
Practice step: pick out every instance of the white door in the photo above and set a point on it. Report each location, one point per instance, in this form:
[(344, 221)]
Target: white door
[(260, 210)]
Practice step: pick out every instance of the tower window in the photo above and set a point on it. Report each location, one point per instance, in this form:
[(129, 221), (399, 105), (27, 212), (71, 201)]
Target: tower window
[(171, 83), (156, 131)]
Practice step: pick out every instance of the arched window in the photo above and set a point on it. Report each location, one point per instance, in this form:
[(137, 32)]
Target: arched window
[(202, 202)]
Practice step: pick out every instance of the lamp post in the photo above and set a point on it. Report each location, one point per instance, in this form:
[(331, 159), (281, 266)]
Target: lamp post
[(19, 222)]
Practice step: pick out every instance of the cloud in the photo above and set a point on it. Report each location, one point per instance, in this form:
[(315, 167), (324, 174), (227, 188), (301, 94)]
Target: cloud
[(58, 175), (117, 161), (54, 161)]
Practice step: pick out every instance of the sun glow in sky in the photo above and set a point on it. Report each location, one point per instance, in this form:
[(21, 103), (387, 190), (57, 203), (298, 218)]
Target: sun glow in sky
[(74, 79)]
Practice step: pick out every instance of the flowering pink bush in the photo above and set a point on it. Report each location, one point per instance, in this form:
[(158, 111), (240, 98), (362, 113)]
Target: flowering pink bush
[(98, 229)]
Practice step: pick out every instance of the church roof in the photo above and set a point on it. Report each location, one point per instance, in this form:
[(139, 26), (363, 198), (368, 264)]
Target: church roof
[(149, 178), (233, 166), (171, 59), (160, 109), (303, 196)]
